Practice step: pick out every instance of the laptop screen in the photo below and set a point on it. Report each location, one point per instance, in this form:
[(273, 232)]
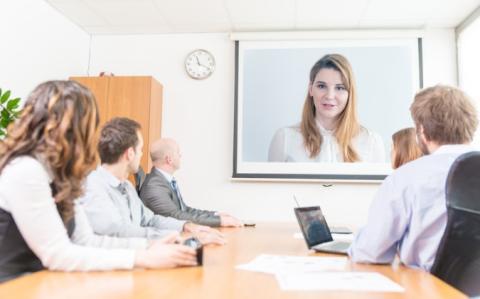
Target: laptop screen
[(313, 225)]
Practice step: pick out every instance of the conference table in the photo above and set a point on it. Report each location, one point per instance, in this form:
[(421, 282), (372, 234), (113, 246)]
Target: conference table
[(218, 277)]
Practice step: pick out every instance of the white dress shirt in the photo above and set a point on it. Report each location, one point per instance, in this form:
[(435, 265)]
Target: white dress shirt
[(167, 176), (287, 146), (408, 213), (25, 193)]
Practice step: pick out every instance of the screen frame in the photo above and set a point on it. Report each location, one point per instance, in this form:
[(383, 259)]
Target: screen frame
[(352, 172)]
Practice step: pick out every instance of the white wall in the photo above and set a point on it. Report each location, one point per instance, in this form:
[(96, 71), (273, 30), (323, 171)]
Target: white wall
[(469, 60), (38, 44), (199, 114), (439, 57), (469, 64)]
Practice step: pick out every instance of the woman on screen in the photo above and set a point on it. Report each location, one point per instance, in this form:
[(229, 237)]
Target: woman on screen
[(404, 147), (329, 130), (43, 163)]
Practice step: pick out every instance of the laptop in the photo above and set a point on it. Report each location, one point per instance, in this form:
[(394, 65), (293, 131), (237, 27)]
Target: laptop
[(316, 232)]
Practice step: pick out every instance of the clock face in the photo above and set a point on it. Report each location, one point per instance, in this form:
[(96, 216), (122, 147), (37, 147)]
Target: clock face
[(199, 64)]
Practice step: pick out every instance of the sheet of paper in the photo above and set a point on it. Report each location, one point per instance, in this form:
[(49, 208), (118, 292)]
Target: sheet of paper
[(298, 235), (346, 281), (274, 264)]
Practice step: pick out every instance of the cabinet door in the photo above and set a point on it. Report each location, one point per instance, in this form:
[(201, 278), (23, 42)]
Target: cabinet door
[(130, 97), (99, 87), (156, 102)]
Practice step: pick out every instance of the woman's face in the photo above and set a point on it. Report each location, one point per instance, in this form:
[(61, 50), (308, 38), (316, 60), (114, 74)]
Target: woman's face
[(329, 94)]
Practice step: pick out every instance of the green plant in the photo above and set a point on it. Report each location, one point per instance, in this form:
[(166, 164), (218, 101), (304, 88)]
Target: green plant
[(9, 111)]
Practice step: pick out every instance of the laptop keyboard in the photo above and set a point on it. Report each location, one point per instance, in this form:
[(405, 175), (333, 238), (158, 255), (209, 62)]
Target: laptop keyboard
[(340, 246), (334, 246)]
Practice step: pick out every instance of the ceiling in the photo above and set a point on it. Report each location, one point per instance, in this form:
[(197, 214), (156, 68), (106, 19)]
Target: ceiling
[(194, 16)]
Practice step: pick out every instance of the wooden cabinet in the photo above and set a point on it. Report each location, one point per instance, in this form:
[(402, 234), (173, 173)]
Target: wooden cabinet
[(138, 98)]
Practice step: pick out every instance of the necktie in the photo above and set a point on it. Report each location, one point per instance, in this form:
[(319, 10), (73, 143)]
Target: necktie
[(177, 191), (122, 187)]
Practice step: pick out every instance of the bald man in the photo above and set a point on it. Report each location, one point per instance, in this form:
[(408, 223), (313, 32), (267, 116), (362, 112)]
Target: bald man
[(161, 194)]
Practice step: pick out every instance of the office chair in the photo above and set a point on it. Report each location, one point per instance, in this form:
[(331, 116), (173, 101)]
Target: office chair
[(458, 257), (139, 178)]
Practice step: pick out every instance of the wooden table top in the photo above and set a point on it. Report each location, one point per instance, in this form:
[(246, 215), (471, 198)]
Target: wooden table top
[(218, 277)]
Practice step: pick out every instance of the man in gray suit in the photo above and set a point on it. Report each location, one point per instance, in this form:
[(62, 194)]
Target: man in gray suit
[(160, 192), (112, 203)]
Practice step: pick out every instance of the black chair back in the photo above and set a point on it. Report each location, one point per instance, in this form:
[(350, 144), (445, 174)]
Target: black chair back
[(458, 257), (139, 178)]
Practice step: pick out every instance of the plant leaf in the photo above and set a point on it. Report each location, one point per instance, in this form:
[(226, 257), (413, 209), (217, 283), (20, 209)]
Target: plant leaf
[(4, 122), (5, 97), (4, 113), (12, 104)]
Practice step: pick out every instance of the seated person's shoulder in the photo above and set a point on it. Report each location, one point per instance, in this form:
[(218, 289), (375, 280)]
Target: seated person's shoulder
[(154, 180), (152, 184), (287, 131), (416, 172), (25, 166), (294, 129), (96, 185), (93, 178), (370, 135)]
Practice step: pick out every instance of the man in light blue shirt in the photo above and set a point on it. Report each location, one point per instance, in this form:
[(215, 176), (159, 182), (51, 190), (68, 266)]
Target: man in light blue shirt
[(112, 203), (408, 214)]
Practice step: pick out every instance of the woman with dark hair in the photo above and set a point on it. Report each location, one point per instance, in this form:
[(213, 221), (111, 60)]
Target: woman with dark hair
[(404, 147), (44, 160), (329, 130)]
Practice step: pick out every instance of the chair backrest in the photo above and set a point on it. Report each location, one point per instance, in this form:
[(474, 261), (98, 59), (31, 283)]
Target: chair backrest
[(139, 178), (458, 257)]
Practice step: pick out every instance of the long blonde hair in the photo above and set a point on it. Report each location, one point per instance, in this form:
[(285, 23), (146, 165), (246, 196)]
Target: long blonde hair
[(58, 126), (347, 123)]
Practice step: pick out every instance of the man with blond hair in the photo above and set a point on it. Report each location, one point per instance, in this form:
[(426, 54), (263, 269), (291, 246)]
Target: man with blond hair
[(408, 214), (161, 194)]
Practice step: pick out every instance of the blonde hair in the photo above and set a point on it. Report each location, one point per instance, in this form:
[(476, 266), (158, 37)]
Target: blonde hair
[(58, 126), (405, 147), (446, 115), (347, 123)]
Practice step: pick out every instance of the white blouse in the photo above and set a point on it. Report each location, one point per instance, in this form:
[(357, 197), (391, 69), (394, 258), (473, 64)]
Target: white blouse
[(25, 193), (287, 146)]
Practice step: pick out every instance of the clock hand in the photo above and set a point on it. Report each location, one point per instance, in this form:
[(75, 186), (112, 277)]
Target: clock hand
[(201, 64), (198, 61)]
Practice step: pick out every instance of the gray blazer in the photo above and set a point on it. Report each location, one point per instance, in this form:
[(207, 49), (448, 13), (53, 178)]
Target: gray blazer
[(158, 195)]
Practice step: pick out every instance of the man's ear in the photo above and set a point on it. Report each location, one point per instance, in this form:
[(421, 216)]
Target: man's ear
[(419, 129), (129, 153), (421, 134)]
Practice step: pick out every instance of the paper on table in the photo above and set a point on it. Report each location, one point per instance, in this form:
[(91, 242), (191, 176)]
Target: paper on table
[(297, 236), (274, 264), (347, 281)]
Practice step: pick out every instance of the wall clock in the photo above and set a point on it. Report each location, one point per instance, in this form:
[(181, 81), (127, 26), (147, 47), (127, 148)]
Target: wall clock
[(199, 64)]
